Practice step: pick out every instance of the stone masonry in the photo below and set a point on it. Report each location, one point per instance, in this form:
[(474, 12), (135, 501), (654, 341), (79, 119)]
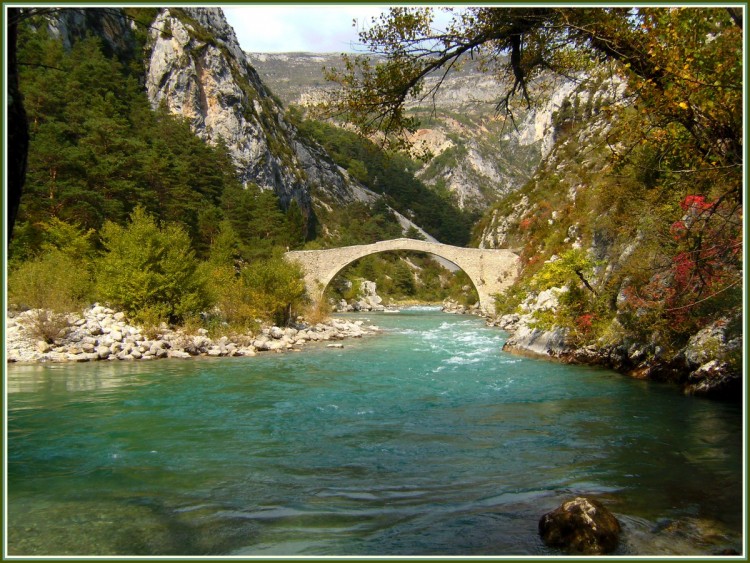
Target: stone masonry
[(491, 271)]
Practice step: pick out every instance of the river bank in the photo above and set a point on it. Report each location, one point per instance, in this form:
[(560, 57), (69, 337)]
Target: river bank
[(100, 333), (707, 366)]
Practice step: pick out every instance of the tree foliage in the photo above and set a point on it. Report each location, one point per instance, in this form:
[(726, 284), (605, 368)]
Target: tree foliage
[(683, 67), (260, 222), (58, 275), (148, 268), (276, 288), (131, 196), (97, 149)]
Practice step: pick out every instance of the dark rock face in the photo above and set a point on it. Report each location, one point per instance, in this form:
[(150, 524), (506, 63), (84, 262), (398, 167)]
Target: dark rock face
[(715, 380), (580, 526), (109, 24), (706, 367)]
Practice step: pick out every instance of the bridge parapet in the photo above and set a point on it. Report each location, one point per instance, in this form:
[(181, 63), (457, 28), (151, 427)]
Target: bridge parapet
[(491, 271)]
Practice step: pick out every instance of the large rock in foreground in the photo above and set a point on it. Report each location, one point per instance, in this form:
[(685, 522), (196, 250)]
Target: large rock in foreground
[(581, 526)]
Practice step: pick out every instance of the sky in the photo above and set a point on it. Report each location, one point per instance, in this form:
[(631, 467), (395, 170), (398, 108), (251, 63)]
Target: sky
[(305, 27)]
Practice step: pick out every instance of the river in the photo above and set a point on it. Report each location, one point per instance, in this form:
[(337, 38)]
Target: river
[(425, 439)]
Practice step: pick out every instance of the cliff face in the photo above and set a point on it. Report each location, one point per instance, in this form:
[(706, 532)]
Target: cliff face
[(196, 67), (474, 152)]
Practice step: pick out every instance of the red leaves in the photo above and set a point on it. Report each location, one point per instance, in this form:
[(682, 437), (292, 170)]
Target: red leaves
[(682, 270), (706, 262), (678, 229), (694, 206), (584, 322), (695, 203)]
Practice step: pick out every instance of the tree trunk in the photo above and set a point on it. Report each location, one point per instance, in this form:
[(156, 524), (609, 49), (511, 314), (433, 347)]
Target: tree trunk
[(18, 126)]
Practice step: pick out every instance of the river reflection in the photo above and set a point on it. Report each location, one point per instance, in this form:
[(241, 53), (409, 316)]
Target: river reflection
[(57, 378)]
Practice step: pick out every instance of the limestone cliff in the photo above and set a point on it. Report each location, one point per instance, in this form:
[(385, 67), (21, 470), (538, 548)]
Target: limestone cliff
[(472, 151), (196, 67), (193, 67)]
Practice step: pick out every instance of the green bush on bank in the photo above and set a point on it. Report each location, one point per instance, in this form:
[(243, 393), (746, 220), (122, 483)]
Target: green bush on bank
[(150, 269), (52, 280), (276, 288)]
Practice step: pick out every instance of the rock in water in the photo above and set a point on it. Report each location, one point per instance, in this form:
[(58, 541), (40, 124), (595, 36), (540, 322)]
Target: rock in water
[(581, 526)]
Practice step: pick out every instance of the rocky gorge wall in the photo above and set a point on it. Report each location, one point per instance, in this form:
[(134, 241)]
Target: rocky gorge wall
[(196, 67), (467, 147), (579, 203)]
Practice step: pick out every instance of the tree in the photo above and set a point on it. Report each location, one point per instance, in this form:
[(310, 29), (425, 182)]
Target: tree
[(257, 218), (225, 246), (18, 122), (403, 279), (97, 148), (276, 288), (413, 232), (148, 270), (572, 267), (685, 63)]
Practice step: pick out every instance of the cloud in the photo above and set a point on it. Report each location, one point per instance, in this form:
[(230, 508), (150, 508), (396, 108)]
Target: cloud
[(285, 28)]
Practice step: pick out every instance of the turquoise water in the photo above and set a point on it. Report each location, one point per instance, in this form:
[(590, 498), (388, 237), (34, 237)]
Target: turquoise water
[(425, 439)]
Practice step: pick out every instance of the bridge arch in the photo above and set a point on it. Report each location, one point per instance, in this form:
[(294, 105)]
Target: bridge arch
[(491, 271)]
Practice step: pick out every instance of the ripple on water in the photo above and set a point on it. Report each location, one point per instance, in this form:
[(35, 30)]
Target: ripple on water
[(424, 440)]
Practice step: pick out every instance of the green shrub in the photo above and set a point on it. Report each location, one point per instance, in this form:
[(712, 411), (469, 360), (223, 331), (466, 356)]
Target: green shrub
[(53, 280), (275, 287), (571, 268), (235, 305), (150, 270)]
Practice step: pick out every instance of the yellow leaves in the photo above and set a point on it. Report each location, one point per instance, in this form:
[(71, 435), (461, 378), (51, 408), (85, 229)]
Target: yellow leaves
[(683, 105)]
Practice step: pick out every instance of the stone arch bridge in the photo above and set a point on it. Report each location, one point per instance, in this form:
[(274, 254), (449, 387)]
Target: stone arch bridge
[(491, 271)]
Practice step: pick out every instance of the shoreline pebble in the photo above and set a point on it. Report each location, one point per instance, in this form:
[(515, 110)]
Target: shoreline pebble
[(102, 334)]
